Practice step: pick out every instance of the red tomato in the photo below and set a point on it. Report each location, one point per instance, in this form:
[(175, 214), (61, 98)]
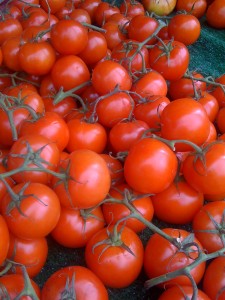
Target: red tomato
[(185, 119), (210, 104), (177, 204), (218, 92), (75, 280), (9, 28), (39, 153), (162, 257), (215, 14), (195, 7), (107, 75), (87, 180), (173, 64), (35, 33), (75, 227), (35, 213), (80, 15), (90, 6), (69, 37), (4, 241), (103, 11), (10, 52), (14, 284), (214, 279), (30, 253), (142, 166), (86, 135), (112, 262), (113, 34), (52, 5), (206, 225), (113, 212), (131, 8), (182, 293), (206, 172), (68, 72), (220, 120), (115, 168), (184, 28), (161, 7)]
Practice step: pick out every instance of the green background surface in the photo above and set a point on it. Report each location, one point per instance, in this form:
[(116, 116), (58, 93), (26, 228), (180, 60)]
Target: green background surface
[(207, 56)]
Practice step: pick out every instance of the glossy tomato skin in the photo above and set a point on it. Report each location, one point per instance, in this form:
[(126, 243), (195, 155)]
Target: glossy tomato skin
[(9, 28), (114, 265), (162, 257), (88, 183), (207, 177), (178, 204), (181, 293), (4, 242), (204, 220), (172, 66), (115, 167), (215, 14), (196, 8), (15, 283), (142, 169), (214, 279), (82, 282), (40, 209), (218, 91), (185, 119)]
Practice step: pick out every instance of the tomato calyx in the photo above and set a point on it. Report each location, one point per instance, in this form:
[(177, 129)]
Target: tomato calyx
[(69, 292)]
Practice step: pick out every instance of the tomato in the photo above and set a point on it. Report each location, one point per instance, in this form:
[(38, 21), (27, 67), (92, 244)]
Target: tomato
[(185, 119), (142, 169), (37, 58), (182, 293), (74, 280), (10, 50), (109, 74), (115, 168), (177, 204), (4, 242), (113, 109), (52, 5), (162, 257), (68, 72), (141, 27), (113, 34), (210, 104), (39, 153), (96, 48), (75, 227), (80, 15), (51, 126), (173, 64), (150, 109), (13, 284), (35, 16), (9, 28), (120, 19), (86, 135), (35, 213), (214, 279), (150, 84), (215, 14), (88, 180), (218, 92), (37, 33), (220, 120), (184, 28), (112, 262), (161, 7), (196, 7), (212, 133), (131, 8), (207, 223), (30, 253), (113, 212), (206, 173), (90, 6), (69, 37), (103, 11)]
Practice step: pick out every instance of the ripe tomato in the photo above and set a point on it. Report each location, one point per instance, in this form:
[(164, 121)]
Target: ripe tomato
[(13, 284), (206, 173), (162, 257), (69, 37), (220, 120), (182, 293), (113, 34), (114, 212), (172, 65), (68, 72), (210, 104), (185, 119), (77, 281), (184, 28), (35, 213), (142, 169), (115, 168), (195, 7), (4, 241), (53, 5), (10, 52), (31, 253), (88, 180), (131, 8), (109, 74), (38, 152), (103, 11), (218, 92), (90, 6), (75, 227), (214, 279), (80, 15), (177, 204), (107, 255), (160, 7), (207, 225), (9, 28), (215, 14)]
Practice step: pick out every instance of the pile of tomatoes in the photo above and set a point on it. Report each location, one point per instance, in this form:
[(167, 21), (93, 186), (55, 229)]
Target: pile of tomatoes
[(104, 129)]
